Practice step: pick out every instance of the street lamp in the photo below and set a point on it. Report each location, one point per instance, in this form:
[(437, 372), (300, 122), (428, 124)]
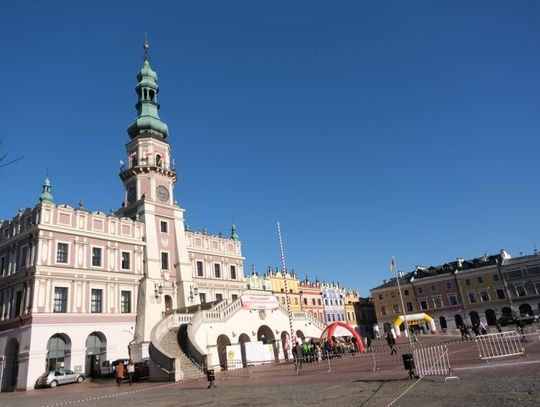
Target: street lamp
[(158, 289)]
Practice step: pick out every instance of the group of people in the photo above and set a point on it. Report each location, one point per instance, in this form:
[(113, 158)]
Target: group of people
[(478, 327), (120, 371)]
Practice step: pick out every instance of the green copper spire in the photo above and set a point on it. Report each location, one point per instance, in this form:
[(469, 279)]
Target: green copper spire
[(234, 236), (147, 120), (46, 196)]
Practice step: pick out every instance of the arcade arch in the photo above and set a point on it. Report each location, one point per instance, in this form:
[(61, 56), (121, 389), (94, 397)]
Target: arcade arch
[(96, 347), (58, 352), (242, 339), (222, 342), (491, 317), (10, 366)]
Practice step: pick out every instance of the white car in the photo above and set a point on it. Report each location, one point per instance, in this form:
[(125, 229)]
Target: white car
[(53, 378)]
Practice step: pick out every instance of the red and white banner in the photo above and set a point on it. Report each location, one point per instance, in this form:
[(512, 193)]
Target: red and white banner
[(259, 302)]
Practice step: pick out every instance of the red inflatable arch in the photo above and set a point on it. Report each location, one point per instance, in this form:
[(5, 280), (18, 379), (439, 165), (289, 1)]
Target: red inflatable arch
[(331, 330)]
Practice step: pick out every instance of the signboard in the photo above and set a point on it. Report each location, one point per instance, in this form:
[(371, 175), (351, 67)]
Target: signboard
[(259, 302), (257, 353), (234, 357)]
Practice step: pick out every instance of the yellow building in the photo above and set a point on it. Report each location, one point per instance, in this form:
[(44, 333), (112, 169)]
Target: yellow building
[(352, 297), (277, 284)]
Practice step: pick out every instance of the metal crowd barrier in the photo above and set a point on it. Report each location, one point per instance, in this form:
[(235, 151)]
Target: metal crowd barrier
[(433, 361), (499, 345)]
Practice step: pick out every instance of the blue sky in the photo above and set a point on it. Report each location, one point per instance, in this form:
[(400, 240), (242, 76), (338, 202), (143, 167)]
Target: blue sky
[(368, 129)]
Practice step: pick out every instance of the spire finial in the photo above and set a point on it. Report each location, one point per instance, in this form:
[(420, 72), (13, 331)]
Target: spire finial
[(146, 46)]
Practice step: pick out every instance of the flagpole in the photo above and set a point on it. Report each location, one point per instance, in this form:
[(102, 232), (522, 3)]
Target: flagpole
[(287, 298), (393, 268)]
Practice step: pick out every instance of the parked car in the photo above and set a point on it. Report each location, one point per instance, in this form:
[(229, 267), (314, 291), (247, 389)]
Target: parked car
[(107, 367), (142, 371), (506, 320), (53, 378), (527, 319)]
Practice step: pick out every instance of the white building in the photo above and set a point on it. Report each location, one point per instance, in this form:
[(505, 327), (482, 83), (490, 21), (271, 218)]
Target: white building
[(78, 287)]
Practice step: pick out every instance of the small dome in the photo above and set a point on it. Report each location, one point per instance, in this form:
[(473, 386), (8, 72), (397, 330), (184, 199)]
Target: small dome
[(147, 72)]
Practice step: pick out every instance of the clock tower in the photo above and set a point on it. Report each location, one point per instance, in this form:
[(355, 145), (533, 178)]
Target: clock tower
[(148, 176)]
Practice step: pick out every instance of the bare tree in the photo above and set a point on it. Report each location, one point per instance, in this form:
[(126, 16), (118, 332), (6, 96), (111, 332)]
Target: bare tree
[(4, 162)]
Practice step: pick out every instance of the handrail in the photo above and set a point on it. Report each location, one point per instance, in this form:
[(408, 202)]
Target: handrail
[(157, 354), (190, 348)]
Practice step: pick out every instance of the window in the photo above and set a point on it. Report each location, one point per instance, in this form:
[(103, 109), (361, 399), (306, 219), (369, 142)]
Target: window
[(437, 302), (125, 261), (423, 304), (62, 253), (60, 299), (200, 271), (433, 287), (395, 308), (95, 305), (164, 227), (234, 297), (484, 295), (3, 265), (495, 277), (18, 301), (467, 281), (319, 301), (22, 256), (96, 256), (125, 302), (313, 302), (383, 310), (219, 297), (164, 261), (393, 294), (233, 272), (420, 290), (514, 274), (202, 297), (452, 299), (449, 285), (295, 301), (380, 296), (305, 301), (472, 298), (537, 286), (520, 291), (480, 279), (406, 292), (500, 294), (217, 271), (409, 306)]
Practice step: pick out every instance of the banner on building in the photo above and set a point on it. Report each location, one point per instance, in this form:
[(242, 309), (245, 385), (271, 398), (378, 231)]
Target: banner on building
[(259, 302)]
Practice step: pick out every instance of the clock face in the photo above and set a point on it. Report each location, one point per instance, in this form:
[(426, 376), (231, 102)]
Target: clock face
[(132, 195), (162, 193)]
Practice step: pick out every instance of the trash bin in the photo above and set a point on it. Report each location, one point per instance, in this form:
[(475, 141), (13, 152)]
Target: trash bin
[(408, 362), (211, 377)]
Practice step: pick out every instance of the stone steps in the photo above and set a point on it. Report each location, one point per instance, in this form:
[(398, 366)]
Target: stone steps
[(170, 346)]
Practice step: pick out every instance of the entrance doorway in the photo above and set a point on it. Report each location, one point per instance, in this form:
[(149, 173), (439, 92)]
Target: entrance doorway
[(96, 348), (10, 366)]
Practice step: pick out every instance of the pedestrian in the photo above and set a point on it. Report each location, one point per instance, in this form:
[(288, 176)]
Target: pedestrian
[(476, 328), (483, 328), (119, 373), (415, 338), (297, 353), (391, 342), (130, 371)]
